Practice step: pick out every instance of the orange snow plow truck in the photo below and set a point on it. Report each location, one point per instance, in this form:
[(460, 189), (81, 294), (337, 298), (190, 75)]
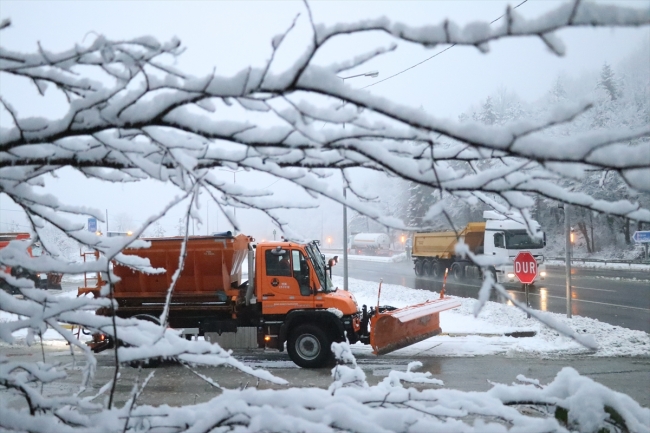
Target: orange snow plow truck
[(288, 298)]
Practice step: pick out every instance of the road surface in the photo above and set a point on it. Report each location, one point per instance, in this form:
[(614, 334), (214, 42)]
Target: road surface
[(176, 385)]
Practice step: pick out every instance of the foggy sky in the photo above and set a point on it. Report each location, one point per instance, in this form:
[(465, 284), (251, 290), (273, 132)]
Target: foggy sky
[(233, 35)]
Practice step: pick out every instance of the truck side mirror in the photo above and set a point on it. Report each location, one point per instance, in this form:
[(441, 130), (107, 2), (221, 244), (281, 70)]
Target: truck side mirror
[(331, 263)]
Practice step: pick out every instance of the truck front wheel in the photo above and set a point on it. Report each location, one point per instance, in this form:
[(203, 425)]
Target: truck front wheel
[(309, 346)]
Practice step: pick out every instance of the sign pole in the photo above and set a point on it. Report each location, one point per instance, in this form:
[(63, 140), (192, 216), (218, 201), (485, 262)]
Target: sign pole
[(527, 302), (567, 259), (525, 267)]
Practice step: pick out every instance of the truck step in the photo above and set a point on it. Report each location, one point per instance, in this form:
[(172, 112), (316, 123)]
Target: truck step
[(243, 338)]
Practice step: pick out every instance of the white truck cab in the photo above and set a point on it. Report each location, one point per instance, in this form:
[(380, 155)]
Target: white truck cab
[(506, 236)]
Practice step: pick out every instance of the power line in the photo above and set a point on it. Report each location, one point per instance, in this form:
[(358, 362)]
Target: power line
[(435, 55)]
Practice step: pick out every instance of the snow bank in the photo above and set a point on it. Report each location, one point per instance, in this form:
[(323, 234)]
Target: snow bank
[(354, 257), (602, 265), (466, 335)]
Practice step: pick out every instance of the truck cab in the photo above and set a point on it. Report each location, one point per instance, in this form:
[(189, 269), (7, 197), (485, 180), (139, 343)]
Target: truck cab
[(505, 238), (294, 276)]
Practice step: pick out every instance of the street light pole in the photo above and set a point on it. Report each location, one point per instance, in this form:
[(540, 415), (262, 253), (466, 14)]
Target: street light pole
[(567, 259), (371, 74)]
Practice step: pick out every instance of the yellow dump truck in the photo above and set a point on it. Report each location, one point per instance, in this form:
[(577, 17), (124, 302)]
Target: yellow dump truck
[(498, 236)]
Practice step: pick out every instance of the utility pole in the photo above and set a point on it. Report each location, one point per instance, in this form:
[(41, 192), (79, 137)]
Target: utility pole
[(567, 258), (371, 74), (345, 241)]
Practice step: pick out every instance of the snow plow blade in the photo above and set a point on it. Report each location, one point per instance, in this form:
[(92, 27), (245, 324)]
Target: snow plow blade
[(393, 330)]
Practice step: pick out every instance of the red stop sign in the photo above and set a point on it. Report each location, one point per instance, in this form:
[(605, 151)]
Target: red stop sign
[(525, 267)]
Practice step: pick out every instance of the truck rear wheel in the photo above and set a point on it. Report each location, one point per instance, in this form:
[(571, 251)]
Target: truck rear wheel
[(426, 268), (418, 268), (437, 270), (309, 346)]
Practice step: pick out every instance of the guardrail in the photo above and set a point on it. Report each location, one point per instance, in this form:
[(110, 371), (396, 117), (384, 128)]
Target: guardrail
[(605, 261)]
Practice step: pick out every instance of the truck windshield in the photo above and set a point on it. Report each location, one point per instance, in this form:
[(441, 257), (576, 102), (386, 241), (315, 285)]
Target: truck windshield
[(519, 240), (319, 266)]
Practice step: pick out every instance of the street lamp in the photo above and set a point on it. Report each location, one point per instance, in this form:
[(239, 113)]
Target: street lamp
[(371, 74)]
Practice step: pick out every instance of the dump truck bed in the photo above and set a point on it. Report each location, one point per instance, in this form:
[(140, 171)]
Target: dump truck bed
[(212, 268), (442, 244)]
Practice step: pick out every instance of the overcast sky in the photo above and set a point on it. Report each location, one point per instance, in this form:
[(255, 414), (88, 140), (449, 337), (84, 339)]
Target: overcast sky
[(233, 35)]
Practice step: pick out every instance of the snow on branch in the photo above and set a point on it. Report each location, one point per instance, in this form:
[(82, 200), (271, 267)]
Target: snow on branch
[(133, 115)]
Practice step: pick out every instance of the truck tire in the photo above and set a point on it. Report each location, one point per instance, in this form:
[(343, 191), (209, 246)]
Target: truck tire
[(493, 272), (437, 270), (458, 271), (418, 268), (148, 362), (309, 346), (426, 268)]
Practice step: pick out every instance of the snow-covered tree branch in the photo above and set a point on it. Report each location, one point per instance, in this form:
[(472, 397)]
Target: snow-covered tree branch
[(133, 115)]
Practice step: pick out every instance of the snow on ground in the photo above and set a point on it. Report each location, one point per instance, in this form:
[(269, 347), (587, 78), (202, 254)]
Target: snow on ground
[(601, 265), (466, 335), (353, 257)]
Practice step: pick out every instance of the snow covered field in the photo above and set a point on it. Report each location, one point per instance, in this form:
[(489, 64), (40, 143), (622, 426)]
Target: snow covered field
[(602, 265), (466, 335)]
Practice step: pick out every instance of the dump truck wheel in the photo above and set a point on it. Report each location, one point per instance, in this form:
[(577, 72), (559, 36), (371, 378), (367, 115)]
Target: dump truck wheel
[(426, 268), (494, 275), (437, 270), (458, 271), (418, 268), (309, 346)]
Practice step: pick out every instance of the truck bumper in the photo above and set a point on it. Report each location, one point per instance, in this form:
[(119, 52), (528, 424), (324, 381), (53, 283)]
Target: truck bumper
[(100, 342), (506, 274)]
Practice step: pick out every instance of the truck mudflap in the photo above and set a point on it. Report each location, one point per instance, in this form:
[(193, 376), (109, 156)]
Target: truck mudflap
[(393, 330)]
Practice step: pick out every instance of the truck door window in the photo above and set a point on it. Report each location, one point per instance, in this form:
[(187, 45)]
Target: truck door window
[(277, 265), (499, 242), (301, 272)]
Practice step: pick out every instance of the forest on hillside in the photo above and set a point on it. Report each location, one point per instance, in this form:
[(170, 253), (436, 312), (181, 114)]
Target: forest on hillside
[(620, 95)]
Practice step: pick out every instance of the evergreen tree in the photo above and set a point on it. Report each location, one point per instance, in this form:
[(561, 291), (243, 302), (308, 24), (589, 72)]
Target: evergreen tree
[(488, 114), (420, 200), (608, 82)]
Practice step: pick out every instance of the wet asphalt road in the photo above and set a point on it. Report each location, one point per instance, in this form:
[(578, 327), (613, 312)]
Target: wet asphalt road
[(618, 297), (177, 385)]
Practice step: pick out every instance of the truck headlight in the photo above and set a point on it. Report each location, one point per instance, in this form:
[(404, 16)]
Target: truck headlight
[(511, 275), (542, 274)]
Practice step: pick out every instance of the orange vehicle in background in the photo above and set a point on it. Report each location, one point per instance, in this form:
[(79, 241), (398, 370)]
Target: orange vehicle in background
[(41, 280), (288, 298)]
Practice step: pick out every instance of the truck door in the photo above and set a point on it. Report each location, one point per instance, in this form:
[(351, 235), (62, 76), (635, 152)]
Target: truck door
[(286, 282)]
